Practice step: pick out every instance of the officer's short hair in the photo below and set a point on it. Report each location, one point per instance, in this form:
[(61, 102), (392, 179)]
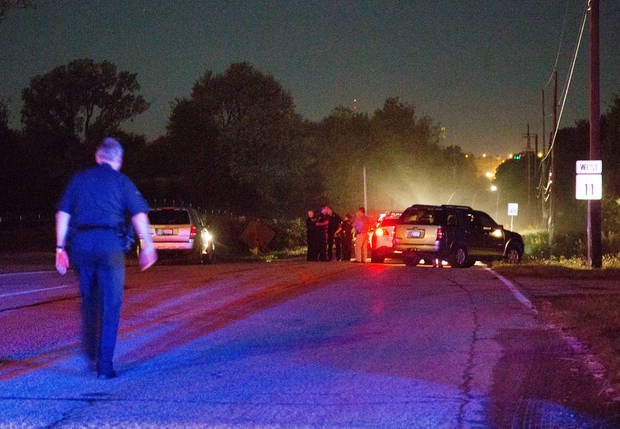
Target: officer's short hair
[(110, 150)]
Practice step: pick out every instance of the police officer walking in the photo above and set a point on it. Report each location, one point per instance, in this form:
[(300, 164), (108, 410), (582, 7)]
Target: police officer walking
[(91, 225)]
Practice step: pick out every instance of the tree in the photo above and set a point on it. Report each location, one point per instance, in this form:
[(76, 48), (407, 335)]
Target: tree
[(6, 5), (241, 144), (81, 101), (4, 118)]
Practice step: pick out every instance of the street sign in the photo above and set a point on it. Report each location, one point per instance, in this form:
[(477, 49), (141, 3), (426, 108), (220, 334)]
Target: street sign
[(589, 187), (513, 209), (589, 180), (589, 167)]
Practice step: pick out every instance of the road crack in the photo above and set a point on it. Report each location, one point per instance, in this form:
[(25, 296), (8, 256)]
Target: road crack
[(467, 379)]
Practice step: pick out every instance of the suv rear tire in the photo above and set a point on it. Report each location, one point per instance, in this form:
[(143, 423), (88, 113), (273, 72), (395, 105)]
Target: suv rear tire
[(460, 258), (207, 258)]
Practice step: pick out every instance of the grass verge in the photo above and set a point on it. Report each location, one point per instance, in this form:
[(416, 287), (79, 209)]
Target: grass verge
[(595, 321), (581, 302), (574, 268)]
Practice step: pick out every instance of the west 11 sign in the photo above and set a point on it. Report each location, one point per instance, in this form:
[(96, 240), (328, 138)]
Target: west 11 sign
[(589, 180)]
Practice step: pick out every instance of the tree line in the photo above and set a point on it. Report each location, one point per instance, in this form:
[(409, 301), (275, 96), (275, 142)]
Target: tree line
[(237, 143)]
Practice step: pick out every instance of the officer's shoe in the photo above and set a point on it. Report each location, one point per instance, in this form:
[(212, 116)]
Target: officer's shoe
[(106, 375)]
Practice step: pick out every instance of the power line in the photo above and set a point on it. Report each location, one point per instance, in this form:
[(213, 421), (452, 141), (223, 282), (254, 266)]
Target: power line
[(542, 189), (557, 55), (568, 82)]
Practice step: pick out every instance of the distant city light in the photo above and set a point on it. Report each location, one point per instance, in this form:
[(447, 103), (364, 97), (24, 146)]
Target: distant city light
[(466, 155), (510, 155), (488, 174), (540, 154), (493, 188), (484, 155)]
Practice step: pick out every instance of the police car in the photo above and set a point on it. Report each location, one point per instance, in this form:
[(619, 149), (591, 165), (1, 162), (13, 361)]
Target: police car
[(181, 230), (381, 237)]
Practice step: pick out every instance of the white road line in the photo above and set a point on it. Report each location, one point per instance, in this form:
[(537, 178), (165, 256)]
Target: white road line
[(515, 291), (26, 273), (33, 291)]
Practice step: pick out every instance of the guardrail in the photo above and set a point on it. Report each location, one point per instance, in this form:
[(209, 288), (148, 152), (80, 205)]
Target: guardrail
[(32, 218), (25, 219)]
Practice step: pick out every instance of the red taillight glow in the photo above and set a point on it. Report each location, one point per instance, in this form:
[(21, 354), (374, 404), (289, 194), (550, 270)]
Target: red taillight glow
[(440, 233), (192, 232)]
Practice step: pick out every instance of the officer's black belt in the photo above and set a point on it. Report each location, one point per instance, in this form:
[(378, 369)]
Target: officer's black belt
[(91, 227)]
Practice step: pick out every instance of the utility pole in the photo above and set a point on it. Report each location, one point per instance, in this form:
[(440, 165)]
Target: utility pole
[(594, 206), (528, 160), (552, 174), (365, 190), (543, 170), (536, 178), (543, 122)]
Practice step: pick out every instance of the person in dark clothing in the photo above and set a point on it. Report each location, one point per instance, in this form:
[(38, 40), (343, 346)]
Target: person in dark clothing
[(332, 226), (91, 221), (344, 239), (322, 225), (311, 236)]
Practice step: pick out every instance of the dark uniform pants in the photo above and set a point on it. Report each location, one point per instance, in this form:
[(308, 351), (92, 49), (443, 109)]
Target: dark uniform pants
[(330, 246), (102, 275)]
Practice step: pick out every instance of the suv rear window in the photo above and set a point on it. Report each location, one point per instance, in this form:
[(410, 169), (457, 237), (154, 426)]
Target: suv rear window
[(169, 217), (423, 216)]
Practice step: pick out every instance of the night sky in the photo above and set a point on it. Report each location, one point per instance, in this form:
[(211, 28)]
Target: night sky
[(475, 67)]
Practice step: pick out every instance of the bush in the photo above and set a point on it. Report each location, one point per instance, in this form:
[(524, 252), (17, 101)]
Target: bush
[(227, 229), (567, 244)]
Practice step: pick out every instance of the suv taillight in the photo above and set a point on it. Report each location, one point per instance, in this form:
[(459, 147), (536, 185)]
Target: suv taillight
[(192, 232), (440, 233)]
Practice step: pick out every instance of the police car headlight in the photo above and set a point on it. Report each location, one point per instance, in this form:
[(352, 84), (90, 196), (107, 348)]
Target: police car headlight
[(206, 236)]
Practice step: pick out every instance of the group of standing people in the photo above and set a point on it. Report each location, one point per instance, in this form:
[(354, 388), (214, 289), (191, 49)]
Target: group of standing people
[(326, 230)]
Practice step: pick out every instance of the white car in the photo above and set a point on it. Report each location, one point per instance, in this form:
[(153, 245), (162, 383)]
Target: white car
[(180, 230), (381, 246)]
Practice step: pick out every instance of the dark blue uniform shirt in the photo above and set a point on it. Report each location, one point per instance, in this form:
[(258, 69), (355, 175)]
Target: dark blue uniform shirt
[(98, 200)]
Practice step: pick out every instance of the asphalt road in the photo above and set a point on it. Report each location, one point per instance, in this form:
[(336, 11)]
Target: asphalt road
[(293, 344)]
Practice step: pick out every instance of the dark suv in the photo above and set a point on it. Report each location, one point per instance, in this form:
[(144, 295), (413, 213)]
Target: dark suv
[(458, 234)]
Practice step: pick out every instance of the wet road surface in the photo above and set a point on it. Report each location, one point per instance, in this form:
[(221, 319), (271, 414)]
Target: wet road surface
[(293, 344)]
